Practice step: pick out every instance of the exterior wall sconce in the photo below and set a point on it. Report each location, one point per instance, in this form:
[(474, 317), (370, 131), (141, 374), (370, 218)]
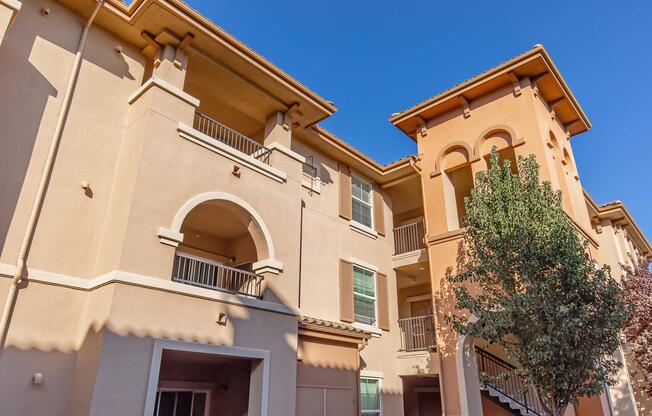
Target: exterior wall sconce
[(221, 319), (37, 379), (236, 171)]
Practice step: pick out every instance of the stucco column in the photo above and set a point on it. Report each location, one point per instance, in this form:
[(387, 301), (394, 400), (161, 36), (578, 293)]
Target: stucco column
[(8, 11), (278, 129)]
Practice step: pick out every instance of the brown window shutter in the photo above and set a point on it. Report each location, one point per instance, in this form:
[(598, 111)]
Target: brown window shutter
[(379, 217), (345, 191), (382, 297), (346, 291)]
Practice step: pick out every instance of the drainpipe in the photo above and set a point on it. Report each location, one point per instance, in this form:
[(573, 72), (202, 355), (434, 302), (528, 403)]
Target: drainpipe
[(23, 252)]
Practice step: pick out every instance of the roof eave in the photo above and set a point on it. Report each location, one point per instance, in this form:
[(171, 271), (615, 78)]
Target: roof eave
[(510, 65)]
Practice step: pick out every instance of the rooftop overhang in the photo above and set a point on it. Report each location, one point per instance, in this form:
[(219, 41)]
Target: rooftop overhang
[(617, 213), (534, 64), (328, 143), (251, 79)]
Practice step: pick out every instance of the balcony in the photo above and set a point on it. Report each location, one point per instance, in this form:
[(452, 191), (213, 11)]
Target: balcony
[(417, 333), (212, 275), (231, 138), (410, 237)]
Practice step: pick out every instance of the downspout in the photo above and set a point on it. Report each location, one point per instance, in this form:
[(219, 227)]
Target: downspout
[(23, 252)]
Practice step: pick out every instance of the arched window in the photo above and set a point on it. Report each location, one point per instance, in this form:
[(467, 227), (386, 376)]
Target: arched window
[(560, 156), (503, 143), (458, 182)]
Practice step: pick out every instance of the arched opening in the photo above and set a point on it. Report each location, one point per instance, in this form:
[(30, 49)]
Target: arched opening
[(559, 170), (222, 245), (502, 141), (458, 182)]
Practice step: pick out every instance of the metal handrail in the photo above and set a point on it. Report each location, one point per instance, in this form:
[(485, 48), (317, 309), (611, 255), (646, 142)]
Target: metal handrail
[(417, 333), (409, 237), (207, 274), (501, 376), (230, 137)]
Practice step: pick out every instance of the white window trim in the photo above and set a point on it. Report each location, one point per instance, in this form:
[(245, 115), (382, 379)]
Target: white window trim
[(374, 329), (207, 405), (374, 375), (363, 229), (371, 199), (157, 353)]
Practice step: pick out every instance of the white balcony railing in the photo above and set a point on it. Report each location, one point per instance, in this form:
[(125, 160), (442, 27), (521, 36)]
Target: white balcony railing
[(417, 333), (409, 237), (205, 273), (230, 137)]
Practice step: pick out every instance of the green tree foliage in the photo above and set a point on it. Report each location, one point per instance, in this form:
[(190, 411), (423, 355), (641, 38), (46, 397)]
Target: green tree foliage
[(531, 284)]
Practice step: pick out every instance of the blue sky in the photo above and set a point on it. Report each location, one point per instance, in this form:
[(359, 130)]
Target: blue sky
[(376, 58)]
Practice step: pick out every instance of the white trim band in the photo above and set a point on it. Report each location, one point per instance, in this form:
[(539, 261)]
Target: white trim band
[(149, 282), (288, 152), (165, 86)]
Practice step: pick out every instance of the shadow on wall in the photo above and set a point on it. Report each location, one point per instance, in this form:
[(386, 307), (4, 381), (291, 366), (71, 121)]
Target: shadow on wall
[(27, 74), (106, 364)]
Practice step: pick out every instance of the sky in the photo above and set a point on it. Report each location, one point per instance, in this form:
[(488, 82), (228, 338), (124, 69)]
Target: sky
[(375, 58)]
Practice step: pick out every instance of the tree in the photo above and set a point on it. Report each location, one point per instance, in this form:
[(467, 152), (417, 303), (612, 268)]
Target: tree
[(637, 287), (529, 280)]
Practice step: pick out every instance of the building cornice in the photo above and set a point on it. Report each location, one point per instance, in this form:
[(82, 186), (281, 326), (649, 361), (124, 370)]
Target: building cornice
[(535, 64)]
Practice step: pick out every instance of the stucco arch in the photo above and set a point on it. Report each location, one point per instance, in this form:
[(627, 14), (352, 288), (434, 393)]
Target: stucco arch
[(507, 138), (463, 151), (244, 211)]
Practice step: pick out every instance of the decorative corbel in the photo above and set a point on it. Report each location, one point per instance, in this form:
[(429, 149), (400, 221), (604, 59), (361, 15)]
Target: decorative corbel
[(570, 125), (516, 84), (151, 46), (465, 106), (287, 116), (421, 126)]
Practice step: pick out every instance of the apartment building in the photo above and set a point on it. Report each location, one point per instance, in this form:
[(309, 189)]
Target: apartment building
[(178, 236)]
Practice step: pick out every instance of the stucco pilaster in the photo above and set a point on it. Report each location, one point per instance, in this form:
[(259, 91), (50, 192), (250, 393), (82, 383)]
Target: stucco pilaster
[(8, 11), (278, 129)]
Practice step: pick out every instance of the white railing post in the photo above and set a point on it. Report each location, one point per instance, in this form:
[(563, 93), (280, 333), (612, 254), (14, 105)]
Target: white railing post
[(409, 237), (417, 333), (230, 137), (205, 273)]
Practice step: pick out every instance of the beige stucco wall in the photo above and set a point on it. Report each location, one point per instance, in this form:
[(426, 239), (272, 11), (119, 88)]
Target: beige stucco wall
[(527, 120)]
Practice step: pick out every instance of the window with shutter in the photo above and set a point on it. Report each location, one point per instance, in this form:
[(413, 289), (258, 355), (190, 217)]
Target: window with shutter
[(364, 295)]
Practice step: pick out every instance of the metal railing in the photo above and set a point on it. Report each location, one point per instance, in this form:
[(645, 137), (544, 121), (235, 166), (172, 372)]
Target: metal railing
[(230, 137), (409, 237), (499, 375), (204, 273), (417, 333)]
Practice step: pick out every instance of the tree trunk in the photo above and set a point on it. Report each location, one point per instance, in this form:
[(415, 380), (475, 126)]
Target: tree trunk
[(560, 410)]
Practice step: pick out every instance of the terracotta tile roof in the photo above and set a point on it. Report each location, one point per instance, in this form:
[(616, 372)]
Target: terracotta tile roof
[(306, 320), (465, 82)]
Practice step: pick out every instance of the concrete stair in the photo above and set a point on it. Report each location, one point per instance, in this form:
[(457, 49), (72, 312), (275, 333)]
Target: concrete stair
[(507, 401)]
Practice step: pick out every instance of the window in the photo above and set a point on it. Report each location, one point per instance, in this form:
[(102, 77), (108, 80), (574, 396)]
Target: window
[(370, 396), (361, 200), (364, 295), (170, 402)]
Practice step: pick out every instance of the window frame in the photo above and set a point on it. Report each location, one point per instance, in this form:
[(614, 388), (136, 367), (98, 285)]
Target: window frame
[(178, 390), (379, 379), (370, 203), (374, 324)]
